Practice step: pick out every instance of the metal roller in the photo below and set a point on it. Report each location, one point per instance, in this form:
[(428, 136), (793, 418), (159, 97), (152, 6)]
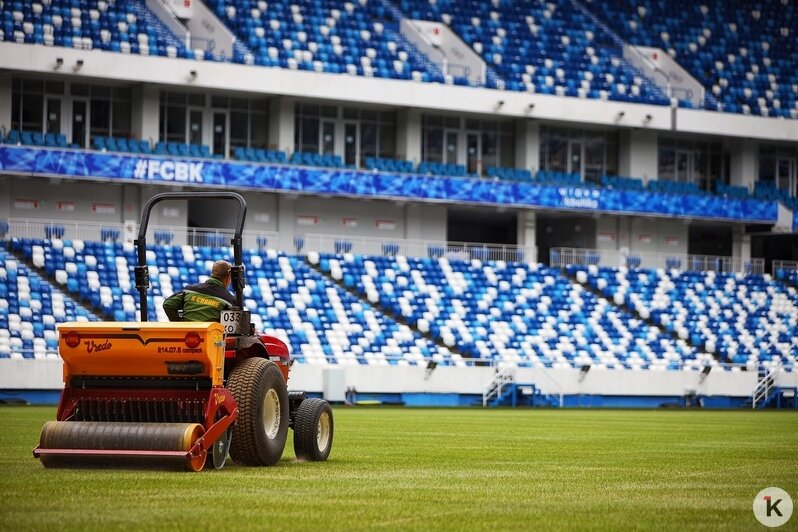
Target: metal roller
[(64, 443)]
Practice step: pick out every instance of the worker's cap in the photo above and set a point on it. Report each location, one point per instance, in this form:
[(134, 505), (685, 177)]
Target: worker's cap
[(221, 269)]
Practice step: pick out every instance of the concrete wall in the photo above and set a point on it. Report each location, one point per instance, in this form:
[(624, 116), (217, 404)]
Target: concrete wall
[(425, 222), (61, 200), (641, 235), (652, 235), (527, 144), (408, 135), (638, 154), (145, 113), (281, 124), (46, 375), (744, 170)]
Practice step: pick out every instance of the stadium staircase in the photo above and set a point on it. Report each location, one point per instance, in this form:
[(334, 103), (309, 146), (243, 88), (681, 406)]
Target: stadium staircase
[(503, 390), (768, 394)]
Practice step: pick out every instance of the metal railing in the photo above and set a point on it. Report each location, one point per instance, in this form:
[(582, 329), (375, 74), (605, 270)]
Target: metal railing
[(156, 234), (288, 243), (418, 248), (784, 266), (764, 387), (562, 257), (493, 388)]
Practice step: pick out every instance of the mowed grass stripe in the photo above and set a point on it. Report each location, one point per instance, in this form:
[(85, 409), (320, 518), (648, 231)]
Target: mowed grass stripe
[(394, 468)]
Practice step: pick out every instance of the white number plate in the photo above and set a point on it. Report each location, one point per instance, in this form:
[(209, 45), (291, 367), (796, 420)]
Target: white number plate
[(234, 321)]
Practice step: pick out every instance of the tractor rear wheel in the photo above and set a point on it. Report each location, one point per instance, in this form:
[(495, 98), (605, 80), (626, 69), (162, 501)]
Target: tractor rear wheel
[(313, 430), (261, 394)]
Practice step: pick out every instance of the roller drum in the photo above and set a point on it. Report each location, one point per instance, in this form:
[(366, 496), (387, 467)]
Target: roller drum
[(83, 435)]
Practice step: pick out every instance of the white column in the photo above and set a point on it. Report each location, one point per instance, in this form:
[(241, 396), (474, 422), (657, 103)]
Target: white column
[(741, 243), (743, 163), (408, 135), (527, 237), (281, 124), (145, 113), (286, 222), (638, 154), (5, 103), (527, 144)]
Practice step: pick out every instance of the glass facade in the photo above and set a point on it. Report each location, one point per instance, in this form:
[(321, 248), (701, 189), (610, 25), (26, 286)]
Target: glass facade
[(692, 161), (477, 144), (590, 153)]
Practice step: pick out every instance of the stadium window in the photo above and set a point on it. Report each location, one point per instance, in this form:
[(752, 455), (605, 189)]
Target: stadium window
[(120, 125), (100, 118), (239, 128), (308, 126), (779, 165), (692, 161), (490, 149), (79, 89), (478, 144), (590, 153), (259, 123), (32, 112), (29, 102), (432, 144), (174, 123)]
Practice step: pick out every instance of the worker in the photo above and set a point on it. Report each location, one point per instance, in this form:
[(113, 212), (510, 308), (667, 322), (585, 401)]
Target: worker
[(203, 301)]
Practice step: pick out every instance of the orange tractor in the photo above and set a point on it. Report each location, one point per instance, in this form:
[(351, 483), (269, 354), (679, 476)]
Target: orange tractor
[(178, 392)]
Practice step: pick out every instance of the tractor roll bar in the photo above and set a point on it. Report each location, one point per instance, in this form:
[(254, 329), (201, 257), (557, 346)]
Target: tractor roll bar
[(142, 271)]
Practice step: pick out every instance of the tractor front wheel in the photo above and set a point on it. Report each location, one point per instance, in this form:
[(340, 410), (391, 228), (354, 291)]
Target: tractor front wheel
[(261, 394), (313, 430)]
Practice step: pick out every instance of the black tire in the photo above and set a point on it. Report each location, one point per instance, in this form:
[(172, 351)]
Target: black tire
[(262, 425), (313, 430)]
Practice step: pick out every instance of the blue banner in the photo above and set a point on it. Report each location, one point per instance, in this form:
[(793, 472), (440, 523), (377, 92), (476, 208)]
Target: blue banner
[(233, 174), (795, 221)]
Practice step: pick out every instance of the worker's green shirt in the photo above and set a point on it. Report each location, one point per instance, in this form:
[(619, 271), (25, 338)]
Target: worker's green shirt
[(199, 302)]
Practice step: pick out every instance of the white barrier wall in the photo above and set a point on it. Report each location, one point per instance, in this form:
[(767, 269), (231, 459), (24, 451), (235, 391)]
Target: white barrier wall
[(444, 48), (660, 67), (204, 25), (47, 375)]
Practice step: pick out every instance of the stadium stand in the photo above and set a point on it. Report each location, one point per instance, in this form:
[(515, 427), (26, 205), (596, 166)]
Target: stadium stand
[(260, 155), (512, 313), (742, 52), (125, 26), (388, 165), (628, 183), (744, 319), (767, 190), (743, 57), (543, 47), (30, 309), (315, 159), (323, 323), (509, 174), (321, 36)]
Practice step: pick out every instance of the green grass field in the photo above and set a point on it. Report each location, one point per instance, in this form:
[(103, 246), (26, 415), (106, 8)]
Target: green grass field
[(436, 469)]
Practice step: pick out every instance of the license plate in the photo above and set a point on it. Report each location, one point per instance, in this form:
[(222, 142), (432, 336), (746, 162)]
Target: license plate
[(235, 321)]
